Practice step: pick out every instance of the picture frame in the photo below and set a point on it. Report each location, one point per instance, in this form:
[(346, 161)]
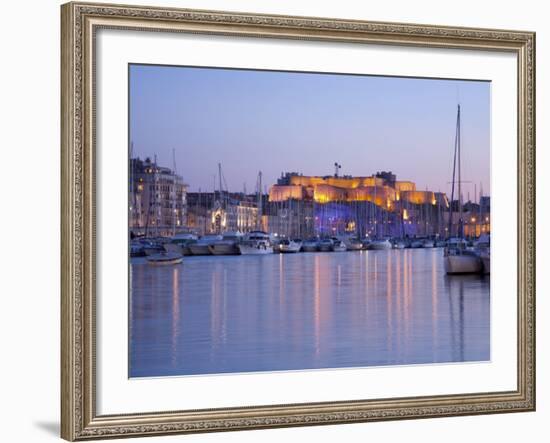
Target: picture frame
[(79, 177)]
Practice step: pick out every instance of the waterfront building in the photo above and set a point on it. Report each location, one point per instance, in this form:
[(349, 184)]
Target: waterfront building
[(218, 212), (367, 206), (476, 217), (157, 199)]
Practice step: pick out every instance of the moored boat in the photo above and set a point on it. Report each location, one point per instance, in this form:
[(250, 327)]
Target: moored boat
[(353, 244), (151, 246), (228, 245), (380, 245), (338, 245), (164, 258), (458, 259), (256, 243), (201, 247), (311, 245), (179, 243), (399, 244), (415, 244), (287, 245), (325, 245), (136, 249), (483, 249), (427, 243)]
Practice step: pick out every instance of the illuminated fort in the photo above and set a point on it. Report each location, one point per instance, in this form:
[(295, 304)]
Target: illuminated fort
[(376, 205), (381, 188)]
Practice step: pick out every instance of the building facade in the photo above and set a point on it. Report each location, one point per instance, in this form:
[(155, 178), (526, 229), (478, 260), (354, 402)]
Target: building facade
[(157, 199), (367, 206)]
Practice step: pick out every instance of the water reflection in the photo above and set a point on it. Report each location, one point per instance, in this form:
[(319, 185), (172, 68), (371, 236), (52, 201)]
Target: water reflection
[(303, 311)]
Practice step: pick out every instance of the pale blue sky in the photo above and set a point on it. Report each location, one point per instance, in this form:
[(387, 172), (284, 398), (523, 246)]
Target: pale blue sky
[(282, 121)]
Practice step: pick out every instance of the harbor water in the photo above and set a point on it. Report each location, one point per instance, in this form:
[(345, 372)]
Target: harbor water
[(229, 314)]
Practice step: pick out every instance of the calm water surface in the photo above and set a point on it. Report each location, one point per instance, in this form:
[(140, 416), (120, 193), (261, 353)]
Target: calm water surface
[(304, 311)]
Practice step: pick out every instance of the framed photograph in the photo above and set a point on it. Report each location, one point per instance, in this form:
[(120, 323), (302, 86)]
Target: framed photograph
[(284, 221)]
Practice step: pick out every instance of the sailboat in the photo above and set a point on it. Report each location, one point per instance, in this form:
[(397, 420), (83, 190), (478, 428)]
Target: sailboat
[(458, 259)]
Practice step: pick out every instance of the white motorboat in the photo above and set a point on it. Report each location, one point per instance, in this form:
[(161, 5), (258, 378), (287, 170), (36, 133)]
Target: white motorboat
[(399, 245), (458, 259), (380, 245), (325, 245), (164, 258), (311, 245), (228, 245), (256, 243), (353, 244), (201, 247), (287, 245), (338, 245)]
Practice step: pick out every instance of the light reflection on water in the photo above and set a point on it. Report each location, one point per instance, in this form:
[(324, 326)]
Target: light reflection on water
[(304, 311)]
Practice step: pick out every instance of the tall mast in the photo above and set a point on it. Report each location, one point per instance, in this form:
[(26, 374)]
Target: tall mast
[(457, 138), (259, 199), (132, 188), (460, 227), (155, 180), (220, 179), (174, 192)]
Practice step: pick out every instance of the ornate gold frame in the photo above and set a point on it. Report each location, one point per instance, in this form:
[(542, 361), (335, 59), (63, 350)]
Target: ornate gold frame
[(79, 420)]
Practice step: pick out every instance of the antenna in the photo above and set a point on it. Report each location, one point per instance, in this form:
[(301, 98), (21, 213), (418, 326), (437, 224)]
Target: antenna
[(336, 168)]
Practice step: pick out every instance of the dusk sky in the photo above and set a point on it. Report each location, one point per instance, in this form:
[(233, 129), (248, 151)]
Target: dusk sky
[(304, 122)]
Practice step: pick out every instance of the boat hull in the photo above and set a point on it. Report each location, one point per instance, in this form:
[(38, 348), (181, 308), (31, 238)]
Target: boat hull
[(152, 250), (380, 246), (175, 248), (289, 248), (462, 264), (255, 249), (162, 259), (310, 248), (199, 249), (224, 249)]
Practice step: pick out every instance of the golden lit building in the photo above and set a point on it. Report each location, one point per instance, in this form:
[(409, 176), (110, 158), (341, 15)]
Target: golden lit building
[(382, 189)]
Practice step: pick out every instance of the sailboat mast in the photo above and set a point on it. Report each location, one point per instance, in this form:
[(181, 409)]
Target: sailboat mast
[(460, 227), (174, 192), (155, 180), (454, 172), (259, 199), (132, 189), (220, 179)]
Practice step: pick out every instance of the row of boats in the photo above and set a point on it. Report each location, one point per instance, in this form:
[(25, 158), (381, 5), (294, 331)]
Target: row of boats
[(460, 255), (259, 242)]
